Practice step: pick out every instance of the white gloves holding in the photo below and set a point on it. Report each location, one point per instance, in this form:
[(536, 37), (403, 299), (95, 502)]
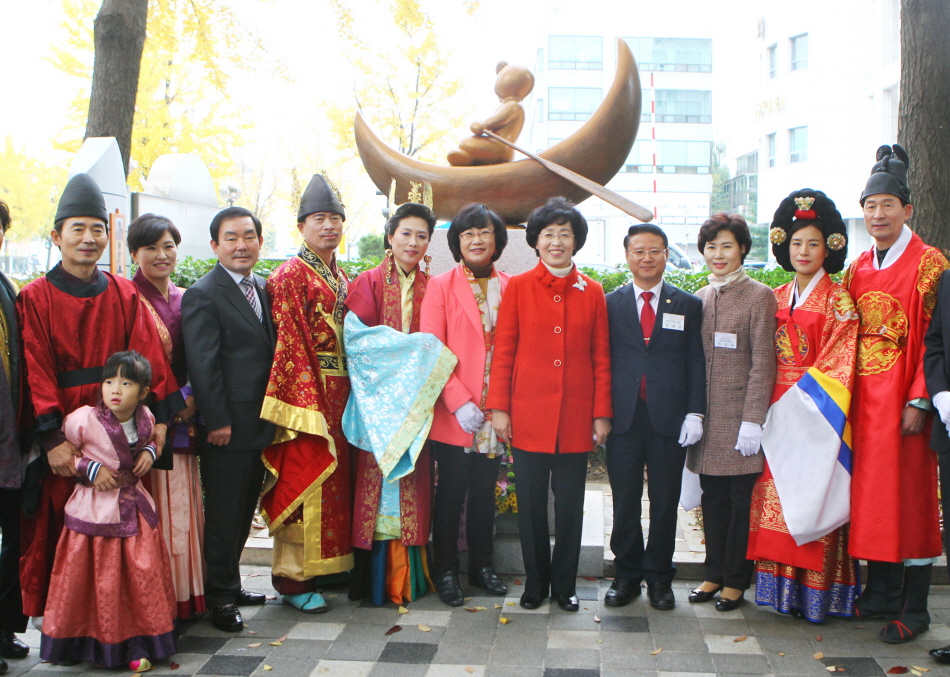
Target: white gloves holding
[(470, 417), (942, 403), (750, 438), (691, 431)]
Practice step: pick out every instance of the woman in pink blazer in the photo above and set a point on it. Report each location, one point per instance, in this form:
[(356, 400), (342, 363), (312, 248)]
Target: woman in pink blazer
[(461, 307)]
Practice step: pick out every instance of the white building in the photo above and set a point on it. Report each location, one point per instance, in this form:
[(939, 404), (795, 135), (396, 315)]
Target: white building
[(827, 97)]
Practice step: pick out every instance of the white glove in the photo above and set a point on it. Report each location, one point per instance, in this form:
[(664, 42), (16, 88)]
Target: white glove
[(470, 417), (750, 438), (691, 431), (941, 402)]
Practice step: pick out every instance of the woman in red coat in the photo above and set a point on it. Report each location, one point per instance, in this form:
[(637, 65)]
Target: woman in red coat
[(550, 395)]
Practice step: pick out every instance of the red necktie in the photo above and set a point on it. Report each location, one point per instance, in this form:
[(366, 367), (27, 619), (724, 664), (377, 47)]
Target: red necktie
[(647, 320)]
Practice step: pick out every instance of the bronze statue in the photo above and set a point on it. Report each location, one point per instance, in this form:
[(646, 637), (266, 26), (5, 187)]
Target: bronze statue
[(512, 85)]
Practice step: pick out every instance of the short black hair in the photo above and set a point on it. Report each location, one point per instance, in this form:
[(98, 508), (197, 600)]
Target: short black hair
[(476, 215), (404, 211), (5, 219), (131, 365), (649, 228), (149, 229), (230, 213), (734, 223), (560, 211)]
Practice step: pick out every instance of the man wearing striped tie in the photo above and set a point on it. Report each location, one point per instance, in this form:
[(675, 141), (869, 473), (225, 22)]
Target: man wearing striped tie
[(229, 346)]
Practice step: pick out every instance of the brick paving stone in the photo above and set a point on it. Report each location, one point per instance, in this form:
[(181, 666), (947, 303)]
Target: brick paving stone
[(689, 643), (301, 648), (684, 661), (455, 671), (572, 658), (523, 656), (855, 666), (398, 670), (727, 644), (332, 668), (476, 636), (199, 644), (188, 664), (624, 624), (573, 639), (741, 664), (290, 667), (462, 654), (571, 672), (355, 651), (513, 671), (231, 666), (408, 652)]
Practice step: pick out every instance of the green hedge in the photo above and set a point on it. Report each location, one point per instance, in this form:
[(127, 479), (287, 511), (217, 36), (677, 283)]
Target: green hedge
[(190, 269), (688, 281)]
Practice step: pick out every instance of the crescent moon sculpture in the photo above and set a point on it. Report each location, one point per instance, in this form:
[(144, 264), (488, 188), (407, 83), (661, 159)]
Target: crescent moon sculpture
[(596, 151)]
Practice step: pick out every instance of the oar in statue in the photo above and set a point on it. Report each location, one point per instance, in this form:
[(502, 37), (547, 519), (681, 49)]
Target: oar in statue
[(592, 187)]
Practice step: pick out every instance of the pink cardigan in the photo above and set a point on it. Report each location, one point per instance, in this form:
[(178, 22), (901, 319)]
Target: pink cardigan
[(449, 311)]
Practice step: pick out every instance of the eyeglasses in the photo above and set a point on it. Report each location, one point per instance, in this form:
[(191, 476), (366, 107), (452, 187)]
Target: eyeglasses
[(469, 235), (642, 253)]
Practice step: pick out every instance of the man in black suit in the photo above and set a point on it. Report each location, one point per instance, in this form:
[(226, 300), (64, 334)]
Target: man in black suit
[(937, 374), (659, 395), (229, 344)]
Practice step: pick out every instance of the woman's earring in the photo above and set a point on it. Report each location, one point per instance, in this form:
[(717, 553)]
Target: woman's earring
[(390, 265), (428, 260)]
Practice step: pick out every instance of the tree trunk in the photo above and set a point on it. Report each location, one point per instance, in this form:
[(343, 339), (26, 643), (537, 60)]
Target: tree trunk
[(924, 117), (119, 38)]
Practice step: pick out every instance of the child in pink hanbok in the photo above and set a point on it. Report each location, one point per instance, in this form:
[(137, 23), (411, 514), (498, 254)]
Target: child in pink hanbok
[(111, 600)]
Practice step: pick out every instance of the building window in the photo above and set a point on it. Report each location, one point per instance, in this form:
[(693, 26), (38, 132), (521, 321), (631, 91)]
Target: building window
[(683, 157), (773, 60), (798, 144), (748, 164), (683, 105), (540, 110), (800, 52), (572, 103), (640, 160), (575, 52), (672, 54), (771, 141)]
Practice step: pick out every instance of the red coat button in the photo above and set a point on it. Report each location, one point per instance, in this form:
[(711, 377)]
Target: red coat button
[(557, 363), (557, 298), (557, 330)]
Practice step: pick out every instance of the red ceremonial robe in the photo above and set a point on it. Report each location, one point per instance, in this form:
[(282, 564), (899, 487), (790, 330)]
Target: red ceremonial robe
[(69, 329), (377, 302), (893, 478), (308, 498)]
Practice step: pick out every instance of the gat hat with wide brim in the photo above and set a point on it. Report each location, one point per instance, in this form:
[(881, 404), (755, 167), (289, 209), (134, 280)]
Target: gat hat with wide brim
[(82, 197), (320, 196), (889, 174), (807, 207)]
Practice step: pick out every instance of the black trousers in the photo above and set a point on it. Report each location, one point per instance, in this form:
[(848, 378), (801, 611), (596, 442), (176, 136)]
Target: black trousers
[(232, 484), (566, 475), (627, 454), (11, 603), (726, 502), (461, 474)]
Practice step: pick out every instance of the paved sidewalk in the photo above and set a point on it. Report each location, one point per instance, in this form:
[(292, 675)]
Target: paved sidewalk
[(696, 640)]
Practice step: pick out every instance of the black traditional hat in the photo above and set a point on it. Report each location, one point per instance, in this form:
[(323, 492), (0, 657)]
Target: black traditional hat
[(889, 174), (82, 197), (320, 196), (807, 207)]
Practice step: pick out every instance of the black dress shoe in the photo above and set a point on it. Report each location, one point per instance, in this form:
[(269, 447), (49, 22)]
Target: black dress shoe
[(11, 647), (621, 593), (248, 598), (941, 655), (698, 596), (529, 601), (723, 604), (661, 596), (450, 592), (3, 666), (227, 617), (566, 603), (486, 579)]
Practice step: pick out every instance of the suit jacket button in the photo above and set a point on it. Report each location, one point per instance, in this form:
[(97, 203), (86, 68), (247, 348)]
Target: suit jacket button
[(557, 330), (557, 363), (557, 298)]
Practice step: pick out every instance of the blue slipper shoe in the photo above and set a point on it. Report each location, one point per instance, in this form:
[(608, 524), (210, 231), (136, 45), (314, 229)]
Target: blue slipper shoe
[(308, 602)]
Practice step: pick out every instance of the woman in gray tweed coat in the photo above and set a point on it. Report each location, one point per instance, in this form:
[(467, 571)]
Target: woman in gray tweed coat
[(739, 341)]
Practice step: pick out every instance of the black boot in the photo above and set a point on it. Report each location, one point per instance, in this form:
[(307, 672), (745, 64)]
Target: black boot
[(914, 618), (881, 597)]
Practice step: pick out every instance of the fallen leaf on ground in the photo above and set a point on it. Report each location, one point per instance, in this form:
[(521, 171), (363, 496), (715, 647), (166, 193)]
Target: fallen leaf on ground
[(589, 578), (917, 667), (509, 603), (818, 656), (331, 596), (504, 621), (781, 653), (266, 667), (472, 609), (654, 653), (393, 630), (596, 618), (276, 643), (916, 673), (481, 608), (897, 670), (469, 669), (272, 597), (859, 627), (831, 668), (465, 599), (174, 666), (600, 641), (517, 582), (818, 638), (424, 628), (281, 638), (498, 606), (403, 610), (742, 638), (253, 646), (251, 632)]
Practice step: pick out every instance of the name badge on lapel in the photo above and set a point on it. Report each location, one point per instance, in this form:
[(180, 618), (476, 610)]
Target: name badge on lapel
[(725, 340), (673, 321)]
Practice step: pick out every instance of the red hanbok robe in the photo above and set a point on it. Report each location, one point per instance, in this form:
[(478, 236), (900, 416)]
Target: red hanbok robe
[(819, 333), (894, 478), (377, 302), (69, 329), (308, 499)]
